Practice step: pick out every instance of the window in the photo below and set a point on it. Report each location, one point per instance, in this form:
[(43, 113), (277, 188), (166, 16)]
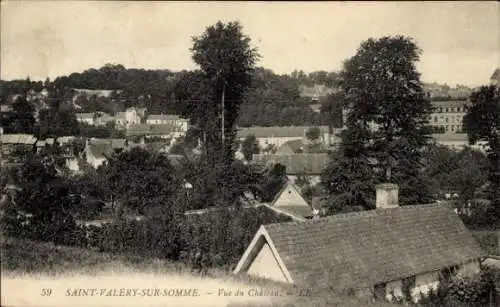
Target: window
[(447, 110), (435, 119), (446, 119)]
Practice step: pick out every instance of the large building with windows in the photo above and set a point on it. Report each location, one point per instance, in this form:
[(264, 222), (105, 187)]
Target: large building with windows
[(448, 115)]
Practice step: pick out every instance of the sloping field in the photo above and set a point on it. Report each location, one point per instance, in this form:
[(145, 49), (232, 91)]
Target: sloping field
[(42, 274)]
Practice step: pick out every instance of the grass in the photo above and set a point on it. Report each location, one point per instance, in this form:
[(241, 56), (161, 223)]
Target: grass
[(28, 258)]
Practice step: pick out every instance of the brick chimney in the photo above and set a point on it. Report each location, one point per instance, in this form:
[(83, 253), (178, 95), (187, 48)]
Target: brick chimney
[(387, 195)]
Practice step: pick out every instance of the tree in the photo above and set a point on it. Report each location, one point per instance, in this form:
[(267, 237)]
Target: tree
[(386, 123), (482, 123), (141, 181), (45, 196), (226, 60), (250, 147), (21, 118), (313, 134), (56, 121)]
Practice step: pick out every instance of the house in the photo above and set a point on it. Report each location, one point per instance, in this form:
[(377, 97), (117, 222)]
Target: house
[(180, 124), (289, 200), (290, 147), (97, 151), (14, 146), (495, 78), (316, 92), (86, 118), (457, 141), (306, 165), (377, 252), (164, 131), (277, 136), (102, 119), (128, 118), (448, 115)]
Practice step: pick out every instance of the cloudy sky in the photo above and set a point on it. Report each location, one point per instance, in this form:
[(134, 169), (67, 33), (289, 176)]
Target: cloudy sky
[(460, 41)]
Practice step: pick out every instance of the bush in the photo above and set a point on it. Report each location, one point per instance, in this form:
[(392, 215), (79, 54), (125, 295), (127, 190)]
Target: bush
[(479, 290)]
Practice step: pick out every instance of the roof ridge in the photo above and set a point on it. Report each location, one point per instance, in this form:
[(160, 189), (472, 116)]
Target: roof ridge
[(373, 212)]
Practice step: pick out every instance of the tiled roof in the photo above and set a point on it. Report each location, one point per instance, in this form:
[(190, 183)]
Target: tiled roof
[(101, 150), (285, 131), (114, 143), (163, 117), (295, 145), (296, 164), (27, 139), (147, 129), (84, 115), (366, 248)]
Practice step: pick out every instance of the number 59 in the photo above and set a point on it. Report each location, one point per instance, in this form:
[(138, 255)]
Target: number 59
[(46, 292)]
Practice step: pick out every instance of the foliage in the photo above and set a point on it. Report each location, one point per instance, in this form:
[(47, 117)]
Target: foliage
[(21, 119), (386, 125), (482, 123), (463, 172), (226, 59), (488, 240), (313, 134), (44, 203), (56, 121), (223, 236), (250, 146), (141, 180), (331, 110)]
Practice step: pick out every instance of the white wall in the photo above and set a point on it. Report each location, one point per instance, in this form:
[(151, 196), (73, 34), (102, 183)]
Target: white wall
[(423, 284), (290, 196), (265, 265), (394, 289)]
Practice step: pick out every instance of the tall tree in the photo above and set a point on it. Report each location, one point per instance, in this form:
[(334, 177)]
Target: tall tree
[(386, 121), (226, 59), (482, 123), (141, 181), (21, 119)]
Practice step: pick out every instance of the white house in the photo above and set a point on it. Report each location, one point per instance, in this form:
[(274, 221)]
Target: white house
[(373, 252), (180, 124), (128, 118), (86, 118), (277, 136)]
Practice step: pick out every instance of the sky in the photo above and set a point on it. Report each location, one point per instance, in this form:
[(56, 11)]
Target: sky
[(40, 39)]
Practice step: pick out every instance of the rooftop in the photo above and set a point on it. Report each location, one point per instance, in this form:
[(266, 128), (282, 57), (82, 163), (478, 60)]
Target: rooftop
[(359, 249), (276, 131), (296, 164), (27, 139)]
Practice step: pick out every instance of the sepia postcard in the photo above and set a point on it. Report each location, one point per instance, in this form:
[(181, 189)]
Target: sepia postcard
[(274, 153)]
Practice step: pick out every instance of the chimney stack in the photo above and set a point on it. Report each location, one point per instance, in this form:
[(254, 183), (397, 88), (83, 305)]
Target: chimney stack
[(387, 196)]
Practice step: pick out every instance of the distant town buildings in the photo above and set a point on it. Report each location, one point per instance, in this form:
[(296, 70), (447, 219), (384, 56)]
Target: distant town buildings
[(316, 92)]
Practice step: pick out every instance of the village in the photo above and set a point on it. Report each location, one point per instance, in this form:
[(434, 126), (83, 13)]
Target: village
[(365, 184)]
